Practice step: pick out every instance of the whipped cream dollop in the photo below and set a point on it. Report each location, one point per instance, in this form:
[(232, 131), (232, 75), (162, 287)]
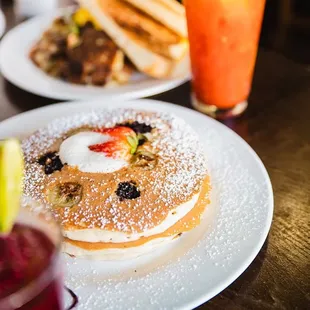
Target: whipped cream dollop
[(74, 151)]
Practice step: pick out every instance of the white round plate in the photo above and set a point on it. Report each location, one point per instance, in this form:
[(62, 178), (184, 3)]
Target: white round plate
[(2, 23), (16, 67), (201, 263)]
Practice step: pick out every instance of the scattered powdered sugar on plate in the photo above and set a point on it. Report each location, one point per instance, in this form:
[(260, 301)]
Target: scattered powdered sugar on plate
[(201, 263)]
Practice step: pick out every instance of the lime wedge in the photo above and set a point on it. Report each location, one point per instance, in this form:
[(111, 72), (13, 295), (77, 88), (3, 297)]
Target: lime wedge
[(11, 177)]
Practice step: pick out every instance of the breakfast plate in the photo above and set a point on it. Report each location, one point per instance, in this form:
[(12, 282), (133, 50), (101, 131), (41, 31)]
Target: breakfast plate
[(201, 263), (17, 68)]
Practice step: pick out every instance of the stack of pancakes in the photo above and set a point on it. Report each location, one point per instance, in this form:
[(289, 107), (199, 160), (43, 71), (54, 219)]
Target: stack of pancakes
[(118, 205)]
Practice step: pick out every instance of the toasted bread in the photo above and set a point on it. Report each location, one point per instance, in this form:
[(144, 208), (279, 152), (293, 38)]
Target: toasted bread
[(134, 36), (144, 59), (173, 18), (143, 28)]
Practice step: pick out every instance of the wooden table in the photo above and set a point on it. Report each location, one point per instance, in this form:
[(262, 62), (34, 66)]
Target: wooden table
[(277, 126)]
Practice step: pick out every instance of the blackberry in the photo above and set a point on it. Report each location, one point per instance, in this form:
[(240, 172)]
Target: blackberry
[(51, 162), (127, 190), (138, 127), (142, 140)]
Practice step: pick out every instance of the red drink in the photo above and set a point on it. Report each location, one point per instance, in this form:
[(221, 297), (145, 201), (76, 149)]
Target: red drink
[(224, 37), (30, 273)]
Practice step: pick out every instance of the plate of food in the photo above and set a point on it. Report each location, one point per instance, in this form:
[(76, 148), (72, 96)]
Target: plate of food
[(161, 207), (119, 48)]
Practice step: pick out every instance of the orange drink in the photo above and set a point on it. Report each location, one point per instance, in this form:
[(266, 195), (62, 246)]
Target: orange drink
[(223, 37)]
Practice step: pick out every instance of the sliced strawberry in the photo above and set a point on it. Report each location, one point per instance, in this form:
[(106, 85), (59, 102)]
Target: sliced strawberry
[(124, 143), (119, 132), (114, 149)]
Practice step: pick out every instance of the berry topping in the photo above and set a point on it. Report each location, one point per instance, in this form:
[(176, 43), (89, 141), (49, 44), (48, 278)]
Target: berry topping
[(66, 194), (124, 143), (51, 162), (127, 190), (138, 127), (142, 139), (118, 132)]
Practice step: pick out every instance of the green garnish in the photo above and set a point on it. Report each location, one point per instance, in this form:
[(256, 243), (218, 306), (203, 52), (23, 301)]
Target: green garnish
[(11, 177), (133, 142)]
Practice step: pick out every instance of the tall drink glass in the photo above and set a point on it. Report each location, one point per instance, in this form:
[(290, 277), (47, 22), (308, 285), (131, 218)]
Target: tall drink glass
[(223, 37), (30, 269)]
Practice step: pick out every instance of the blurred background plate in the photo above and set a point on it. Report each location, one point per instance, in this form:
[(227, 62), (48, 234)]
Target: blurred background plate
[(19, 70), (2, 23)]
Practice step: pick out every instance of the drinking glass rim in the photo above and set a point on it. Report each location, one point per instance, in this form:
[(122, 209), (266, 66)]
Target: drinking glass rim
[(39, 212)]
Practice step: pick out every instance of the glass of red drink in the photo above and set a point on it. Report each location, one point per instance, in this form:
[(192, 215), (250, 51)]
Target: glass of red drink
[(223, 37), (30, 269)]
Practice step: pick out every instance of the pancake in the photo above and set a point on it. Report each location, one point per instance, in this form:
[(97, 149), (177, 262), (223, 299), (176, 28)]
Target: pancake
[(120, 182), (119, 251)]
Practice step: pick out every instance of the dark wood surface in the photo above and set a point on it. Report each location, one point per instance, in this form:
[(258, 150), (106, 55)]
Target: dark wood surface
[(277, 126)]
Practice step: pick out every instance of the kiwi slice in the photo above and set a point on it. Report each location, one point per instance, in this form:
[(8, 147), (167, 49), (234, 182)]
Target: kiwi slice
[(144, 159), (65, 195)]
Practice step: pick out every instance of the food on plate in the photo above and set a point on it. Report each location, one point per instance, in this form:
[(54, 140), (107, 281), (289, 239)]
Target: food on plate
[(103, 42), (81, 55), (145, 37), (121, 182)]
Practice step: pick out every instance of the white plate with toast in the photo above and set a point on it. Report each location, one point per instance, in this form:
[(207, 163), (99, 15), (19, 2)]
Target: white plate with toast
[(201, 263), (17, 68)]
